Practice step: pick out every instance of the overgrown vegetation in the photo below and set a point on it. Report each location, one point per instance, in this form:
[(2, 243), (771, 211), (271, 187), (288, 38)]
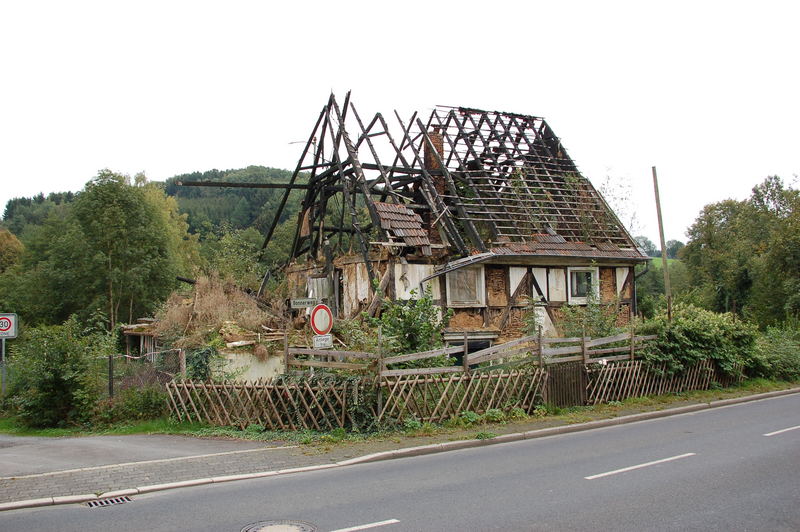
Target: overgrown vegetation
[(54, 373), (695, 334), (413, 325)]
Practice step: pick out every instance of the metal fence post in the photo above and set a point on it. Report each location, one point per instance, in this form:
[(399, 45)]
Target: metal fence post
[(111, 376), (3, 367)]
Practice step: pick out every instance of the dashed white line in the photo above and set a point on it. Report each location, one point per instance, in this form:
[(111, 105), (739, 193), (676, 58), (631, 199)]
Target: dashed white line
[(368, 525), (639, 466), (782, 431)]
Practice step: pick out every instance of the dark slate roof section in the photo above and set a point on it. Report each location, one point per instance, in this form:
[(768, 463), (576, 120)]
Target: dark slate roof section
[(401, 222)]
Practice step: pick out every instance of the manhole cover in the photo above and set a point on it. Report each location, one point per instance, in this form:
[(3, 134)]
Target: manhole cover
[(280, 525)]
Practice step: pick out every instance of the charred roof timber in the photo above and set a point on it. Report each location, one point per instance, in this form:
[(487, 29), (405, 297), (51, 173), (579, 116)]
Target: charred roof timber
[(465, 180)]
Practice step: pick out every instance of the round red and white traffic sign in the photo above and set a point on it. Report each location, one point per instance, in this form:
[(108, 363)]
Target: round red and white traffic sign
[(321, 319)]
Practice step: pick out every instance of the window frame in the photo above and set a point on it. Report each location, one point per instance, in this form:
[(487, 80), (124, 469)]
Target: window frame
[(595, 284), (481, 289)]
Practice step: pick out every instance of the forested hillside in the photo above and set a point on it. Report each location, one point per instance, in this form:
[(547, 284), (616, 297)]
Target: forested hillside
[(112, 251)]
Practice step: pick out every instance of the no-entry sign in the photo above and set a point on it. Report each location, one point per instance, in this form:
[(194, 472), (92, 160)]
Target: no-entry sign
[(8, 326), (321, 319)]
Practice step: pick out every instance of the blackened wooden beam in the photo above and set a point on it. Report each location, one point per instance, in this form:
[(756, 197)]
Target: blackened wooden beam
[(291, 186)]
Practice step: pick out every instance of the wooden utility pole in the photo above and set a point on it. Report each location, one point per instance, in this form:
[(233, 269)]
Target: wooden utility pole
[(664, 264)]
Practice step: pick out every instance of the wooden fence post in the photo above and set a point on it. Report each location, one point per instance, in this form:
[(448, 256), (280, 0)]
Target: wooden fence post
[(583, 346), (380, 371), (286, 349), (539, 348), (464, 361), (633, 348)]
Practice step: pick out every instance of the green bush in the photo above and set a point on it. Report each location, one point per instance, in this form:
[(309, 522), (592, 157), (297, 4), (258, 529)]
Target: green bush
[(412, 326), (777, 354), (696, 334), (594, 319), (55, 374), (132, 404)]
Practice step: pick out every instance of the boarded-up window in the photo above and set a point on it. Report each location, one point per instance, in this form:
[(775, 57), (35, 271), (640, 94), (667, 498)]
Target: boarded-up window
[(465, 288)]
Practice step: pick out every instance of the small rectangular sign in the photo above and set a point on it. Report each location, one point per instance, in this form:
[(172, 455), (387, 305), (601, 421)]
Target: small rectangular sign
[(8, 326), (304, 302), (323, 341)]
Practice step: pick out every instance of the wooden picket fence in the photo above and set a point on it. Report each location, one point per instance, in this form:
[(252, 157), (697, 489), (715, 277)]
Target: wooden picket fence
[(285, 406), (435, 398)]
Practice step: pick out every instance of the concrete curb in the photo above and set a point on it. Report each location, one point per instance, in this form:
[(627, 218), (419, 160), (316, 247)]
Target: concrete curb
[(407, 452)]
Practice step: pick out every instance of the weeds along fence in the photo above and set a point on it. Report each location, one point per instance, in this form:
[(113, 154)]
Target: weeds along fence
[(519, 374)]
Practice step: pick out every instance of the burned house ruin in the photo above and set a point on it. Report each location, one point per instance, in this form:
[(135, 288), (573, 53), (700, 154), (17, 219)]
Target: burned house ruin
[(484, 209)]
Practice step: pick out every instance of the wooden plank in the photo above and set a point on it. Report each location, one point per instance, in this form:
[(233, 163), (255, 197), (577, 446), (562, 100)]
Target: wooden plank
[(645, 338), (609, 359), (555, 351), (561, 340), (499, 347), (503, 354), (560, 360), (331, 353), (423, 354), (608, 339), (421, 371), (623, 349), (333, 365)]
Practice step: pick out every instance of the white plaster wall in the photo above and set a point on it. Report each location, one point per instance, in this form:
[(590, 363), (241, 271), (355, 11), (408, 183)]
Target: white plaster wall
[(622, 274), (408, 276), (558, 284), (247, 367)]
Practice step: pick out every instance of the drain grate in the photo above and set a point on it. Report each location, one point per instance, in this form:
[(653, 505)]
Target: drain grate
[(280, 525), (108, 502)]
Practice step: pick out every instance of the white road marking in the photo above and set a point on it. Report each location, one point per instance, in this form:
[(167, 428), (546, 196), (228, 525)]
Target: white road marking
[(781, 431), (158, 461), (631, 468), (368, 525)]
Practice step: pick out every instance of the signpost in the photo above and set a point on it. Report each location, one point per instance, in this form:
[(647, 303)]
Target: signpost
[(323, 341), (8, 330), (321, 324), (303, 302)]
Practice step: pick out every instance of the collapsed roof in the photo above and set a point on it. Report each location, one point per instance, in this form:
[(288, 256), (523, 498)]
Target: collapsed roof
[(464, 180)]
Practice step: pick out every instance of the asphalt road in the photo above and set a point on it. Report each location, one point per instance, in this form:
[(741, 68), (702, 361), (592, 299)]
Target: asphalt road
[(32, 455), (720, 469)]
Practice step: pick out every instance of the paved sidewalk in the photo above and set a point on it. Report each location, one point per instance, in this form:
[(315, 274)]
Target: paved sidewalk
[(177, 458)]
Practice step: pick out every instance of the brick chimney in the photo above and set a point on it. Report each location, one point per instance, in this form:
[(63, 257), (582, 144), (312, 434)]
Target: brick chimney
[(435, 169)]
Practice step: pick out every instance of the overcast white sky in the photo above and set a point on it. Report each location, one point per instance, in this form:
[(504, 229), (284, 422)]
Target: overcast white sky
[(705, 91)]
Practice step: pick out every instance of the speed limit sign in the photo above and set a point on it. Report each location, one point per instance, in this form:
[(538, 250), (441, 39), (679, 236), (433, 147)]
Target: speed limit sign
[(8, 326)]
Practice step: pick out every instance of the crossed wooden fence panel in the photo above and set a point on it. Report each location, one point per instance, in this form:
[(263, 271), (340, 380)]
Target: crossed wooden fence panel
[(288, 406), (432, 398), (435, 398)]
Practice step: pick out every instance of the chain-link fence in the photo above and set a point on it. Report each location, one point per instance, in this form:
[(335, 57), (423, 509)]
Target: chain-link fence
[(119, 372)]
